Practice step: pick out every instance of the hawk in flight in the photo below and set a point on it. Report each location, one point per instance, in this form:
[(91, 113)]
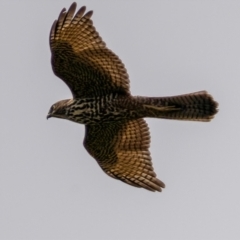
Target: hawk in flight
[(117, 135)]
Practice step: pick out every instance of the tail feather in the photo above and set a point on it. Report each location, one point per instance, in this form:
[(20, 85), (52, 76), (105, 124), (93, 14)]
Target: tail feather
[(198, 106)]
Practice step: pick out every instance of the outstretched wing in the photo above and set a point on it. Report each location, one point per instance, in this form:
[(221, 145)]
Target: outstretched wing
[(82, 60), (121, 149)]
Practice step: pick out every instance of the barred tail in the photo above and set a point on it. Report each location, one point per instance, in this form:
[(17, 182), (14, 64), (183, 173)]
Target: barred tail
[(198, 106)]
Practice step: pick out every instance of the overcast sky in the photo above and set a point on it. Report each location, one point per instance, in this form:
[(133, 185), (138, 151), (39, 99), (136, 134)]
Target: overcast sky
[(51, 188)]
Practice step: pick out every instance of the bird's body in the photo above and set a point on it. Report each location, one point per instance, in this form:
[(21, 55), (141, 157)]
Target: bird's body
[(117, 108), (116, 134), (99, 109)]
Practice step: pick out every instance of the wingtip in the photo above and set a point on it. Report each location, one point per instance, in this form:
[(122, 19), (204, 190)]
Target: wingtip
[(72, 8), (160, 185), (61, 13), (73, 5), (89, 14)]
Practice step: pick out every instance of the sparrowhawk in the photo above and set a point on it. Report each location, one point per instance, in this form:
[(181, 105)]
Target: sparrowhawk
[(116, 134)]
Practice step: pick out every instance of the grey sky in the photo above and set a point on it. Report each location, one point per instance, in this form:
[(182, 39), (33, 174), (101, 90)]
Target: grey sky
[(51, 188)]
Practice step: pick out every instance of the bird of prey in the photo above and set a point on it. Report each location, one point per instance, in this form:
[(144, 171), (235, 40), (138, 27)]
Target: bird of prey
[(116, 134)]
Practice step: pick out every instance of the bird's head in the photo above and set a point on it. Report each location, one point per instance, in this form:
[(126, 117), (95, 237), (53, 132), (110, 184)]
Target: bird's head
[(59, 109)]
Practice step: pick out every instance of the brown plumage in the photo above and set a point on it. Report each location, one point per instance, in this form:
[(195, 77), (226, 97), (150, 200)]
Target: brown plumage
[(116, 135)]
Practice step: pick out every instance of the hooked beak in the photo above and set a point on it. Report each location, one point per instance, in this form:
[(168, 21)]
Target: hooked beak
[(49, 115)]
